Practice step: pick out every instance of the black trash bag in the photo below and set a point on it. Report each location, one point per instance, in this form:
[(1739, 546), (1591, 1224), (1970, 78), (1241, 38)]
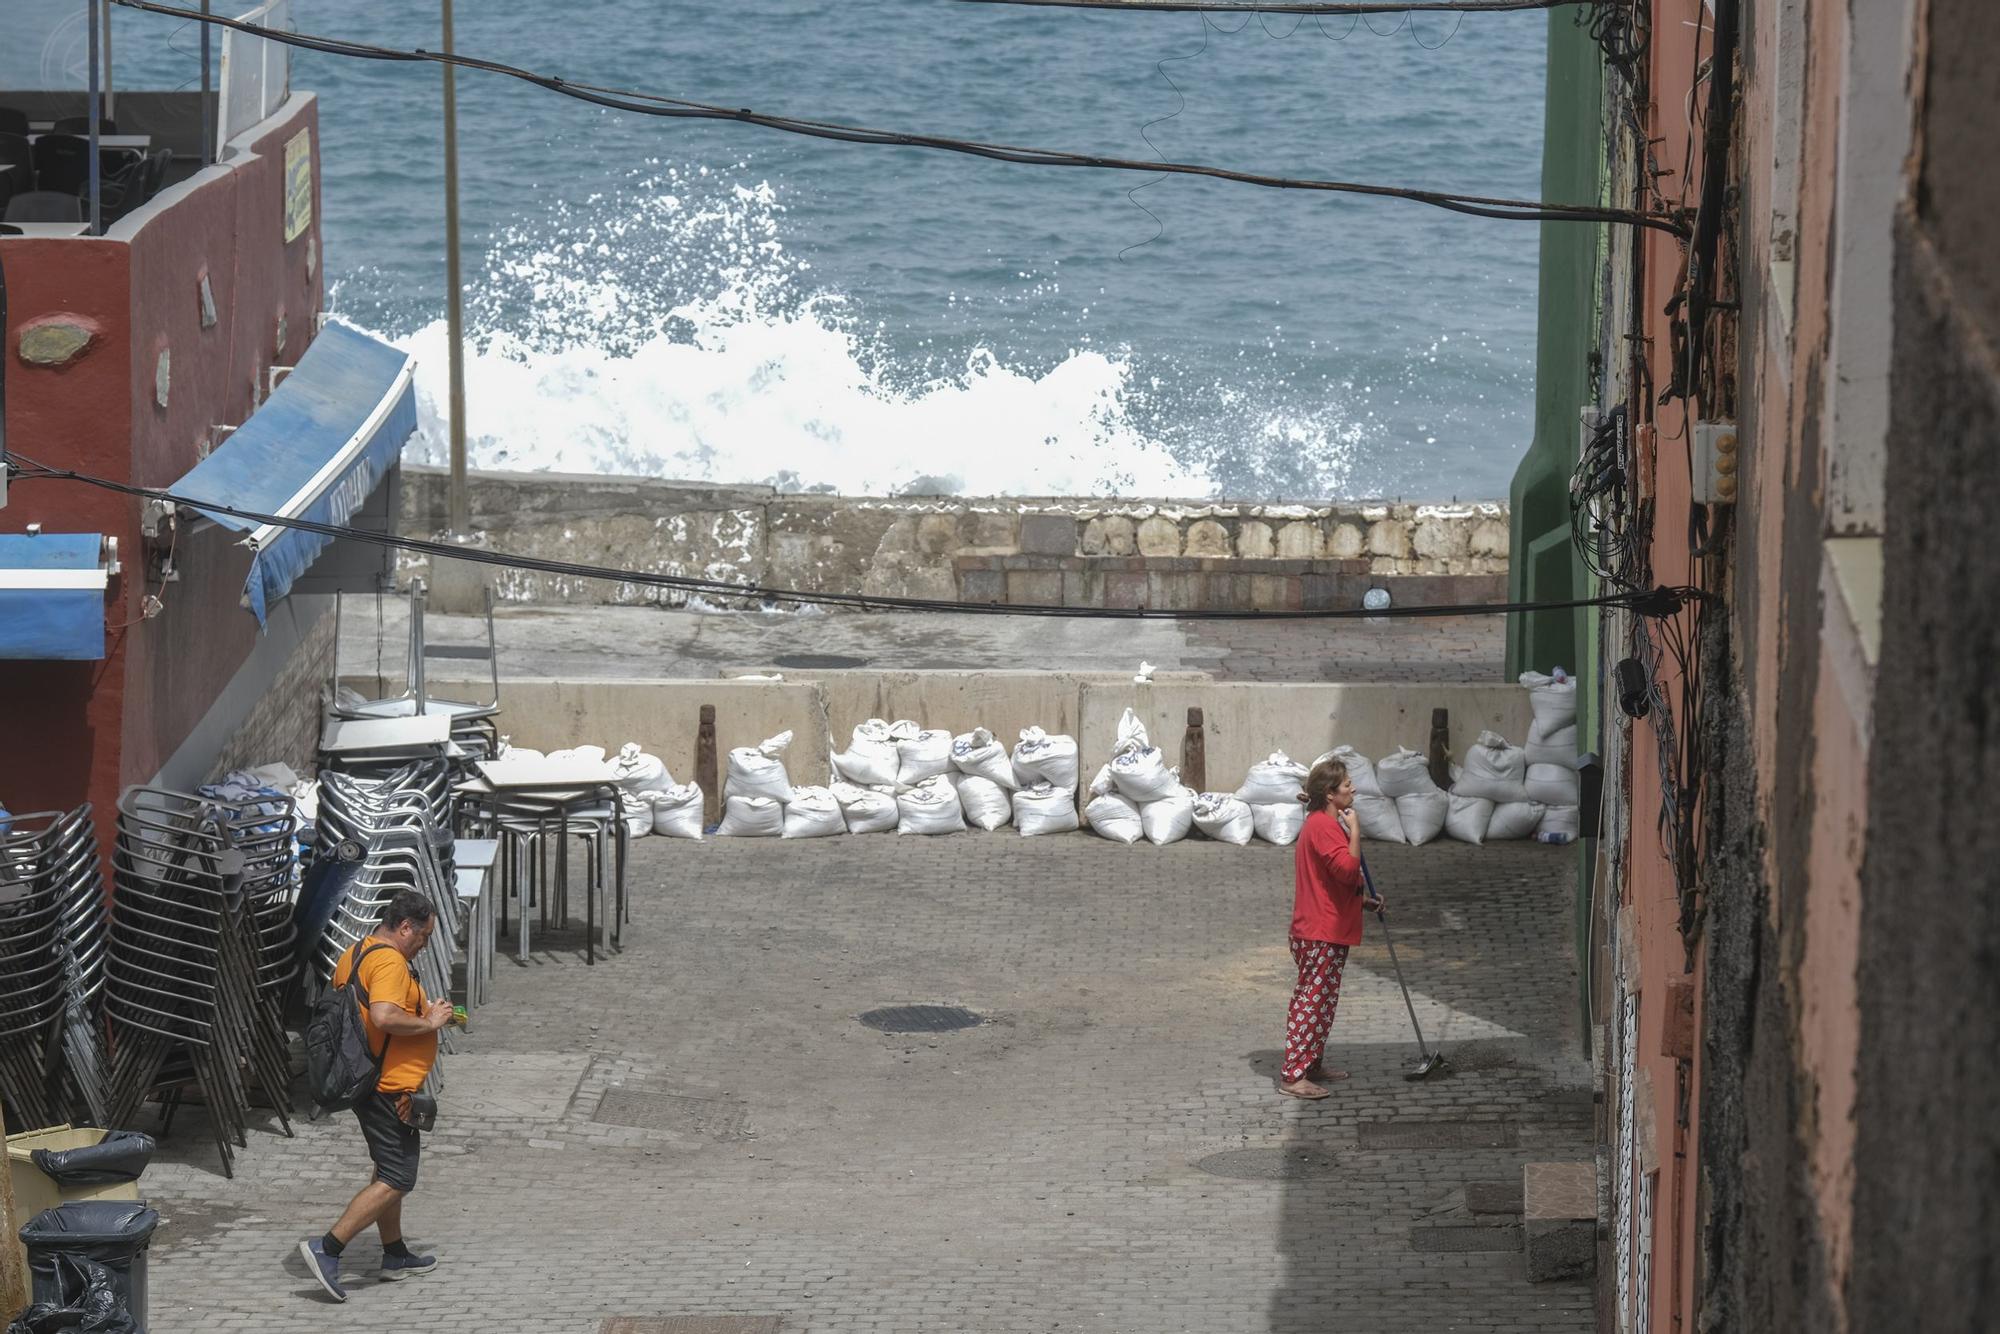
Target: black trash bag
[(90, 1303), (120, 1156)]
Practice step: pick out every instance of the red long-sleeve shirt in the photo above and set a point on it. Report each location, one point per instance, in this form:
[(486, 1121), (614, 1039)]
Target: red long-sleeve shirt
[(1327, 903)]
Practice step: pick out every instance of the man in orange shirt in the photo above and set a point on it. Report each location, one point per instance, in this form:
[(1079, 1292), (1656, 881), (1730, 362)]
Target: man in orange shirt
[(402, 1025)]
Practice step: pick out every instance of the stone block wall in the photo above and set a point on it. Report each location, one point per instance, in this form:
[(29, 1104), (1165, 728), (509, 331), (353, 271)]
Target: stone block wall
[(283, 725), (1082, 552)]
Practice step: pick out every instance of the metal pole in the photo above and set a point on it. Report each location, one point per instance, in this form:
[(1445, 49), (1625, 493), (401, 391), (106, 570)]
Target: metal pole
[(461, 517), (110, 63), (207, 94), (96, 109)]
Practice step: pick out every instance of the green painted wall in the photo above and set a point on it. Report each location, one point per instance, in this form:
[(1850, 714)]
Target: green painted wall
[(1542, 566)]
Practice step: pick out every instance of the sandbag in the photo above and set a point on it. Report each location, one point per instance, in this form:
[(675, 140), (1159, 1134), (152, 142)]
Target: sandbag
[(511, 752), (867, 810), (1142, 775), (987, 805), (978, 754), (931, 807), (1115, 818), (1468, 818), (1552, 745), (871, 758), (1560, 820), (636, 771), (921, 753), (1493, 770), (1422, 814), (756, 771), (1224, 817), (813, 812), (1041, 758), (1379, 819), (1404, 773), (591, 754), (1515, 819), (1553, 701), (1168, 819), (752, 817), (677, 811), (1131, 734), (1276, 781), (1279, 822), (1554, 784), (1359, 768), (1045, 809)]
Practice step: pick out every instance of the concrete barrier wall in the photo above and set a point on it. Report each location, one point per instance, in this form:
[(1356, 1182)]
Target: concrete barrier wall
[(1243, 722), (1078, 551)]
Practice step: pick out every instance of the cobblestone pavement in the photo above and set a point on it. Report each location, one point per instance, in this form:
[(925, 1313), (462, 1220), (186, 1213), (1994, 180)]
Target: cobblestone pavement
[(698, 1125), (578, 643)]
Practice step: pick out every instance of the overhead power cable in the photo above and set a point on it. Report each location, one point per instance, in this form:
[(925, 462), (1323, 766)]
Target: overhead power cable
[(1654, 602), (1335, 10), (655, 104)]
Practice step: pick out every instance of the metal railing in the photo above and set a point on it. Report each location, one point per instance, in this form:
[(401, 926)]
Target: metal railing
[(256, 74)]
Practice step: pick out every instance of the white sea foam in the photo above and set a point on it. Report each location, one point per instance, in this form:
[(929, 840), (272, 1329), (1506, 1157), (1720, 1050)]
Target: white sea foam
[(671, 334)]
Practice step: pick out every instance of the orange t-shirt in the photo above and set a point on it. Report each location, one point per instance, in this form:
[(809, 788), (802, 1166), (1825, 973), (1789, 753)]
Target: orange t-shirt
[(387, 977)]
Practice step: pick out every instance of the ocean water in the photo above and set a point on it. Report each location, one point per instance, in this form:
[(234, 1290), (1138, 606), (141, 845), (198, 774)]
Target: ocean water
[(718, 302)]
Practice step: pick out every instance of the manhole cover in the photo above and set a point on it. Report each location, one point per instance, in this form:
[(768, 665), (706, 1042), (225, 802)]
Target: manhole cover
[(1465, 1238), (689, 1324), (1294, 1162), (639, 1109), (921, 1018), (822, 661), (1438, 1134)]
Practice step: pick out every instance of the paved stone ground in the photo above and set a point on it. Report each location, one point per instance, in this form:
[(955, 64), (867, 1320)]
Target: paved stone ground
[(1040, 1172), (584, 642)]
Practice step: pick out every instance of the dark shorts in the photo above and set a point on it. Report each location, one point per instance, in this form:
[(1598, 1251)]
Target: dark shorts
[(392, 1145)]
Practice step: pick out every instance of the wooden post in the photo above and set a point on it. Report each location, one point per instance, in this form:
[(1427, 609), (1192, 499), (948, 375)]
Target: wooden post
[(13, 1256), (1441, 748), (705, 769), (1194, 753)]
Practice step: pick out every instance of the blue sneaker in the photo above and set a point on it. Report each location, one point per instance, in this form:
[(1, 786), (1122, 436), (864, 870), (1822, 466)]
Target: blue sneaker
[(398, 1267), (324, 1268)]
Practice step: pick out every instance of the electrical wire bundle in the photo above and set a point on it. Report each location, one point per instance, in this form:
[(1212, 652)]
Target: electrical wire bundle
[(1602, 503)]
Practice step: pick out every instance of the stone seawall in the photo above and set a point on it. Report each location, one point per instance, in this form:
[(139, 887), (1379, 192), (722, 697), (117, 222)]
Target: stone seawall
[(1078, 552)]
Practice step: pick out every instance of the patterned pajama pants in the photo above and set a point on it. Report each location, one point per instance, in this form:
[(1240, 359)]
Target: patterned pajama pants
[(1313, 1002)]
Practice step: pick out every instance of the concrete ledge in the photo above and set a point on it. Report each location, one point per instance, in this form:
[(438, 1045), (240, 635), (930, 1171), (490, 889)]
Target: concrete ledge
[(1559, 1214), (1242, 722)]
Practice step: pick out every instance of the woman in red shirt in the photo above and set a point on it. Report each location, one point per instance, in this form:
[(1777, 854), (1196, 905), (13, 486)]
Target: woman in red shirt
[(1326, 920)]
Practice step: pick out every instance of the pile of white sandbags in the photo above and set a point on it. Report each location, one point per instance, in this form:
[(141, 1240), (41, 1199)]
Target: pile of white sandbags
[(1421, 805), (1489, 794), (1377, 812), (984, 777), (1135, 795), (1045, 772), (638, 775), (1551, 752), (756, 790), (1271, 790)]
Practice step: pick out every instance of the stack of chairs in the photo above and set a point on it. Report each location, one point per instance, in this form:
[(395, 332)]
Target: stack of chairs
[(52, 952), (382, 834), (199, 958)]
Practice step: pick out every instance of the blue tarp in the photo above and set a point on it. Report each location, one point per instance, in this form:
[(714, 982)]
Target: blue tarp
[(318, 447), (51, 596)]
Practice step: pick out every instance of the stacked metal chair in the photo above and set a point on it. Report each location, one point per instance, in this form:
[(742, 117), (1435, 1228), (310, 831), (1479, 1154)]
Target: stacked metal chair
[(197, 959), (52, 950), (398, 827)]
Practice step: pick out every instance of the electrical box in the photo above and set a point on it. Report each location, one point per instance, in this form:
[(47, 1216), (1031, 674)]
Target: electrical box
[(1716, 458)]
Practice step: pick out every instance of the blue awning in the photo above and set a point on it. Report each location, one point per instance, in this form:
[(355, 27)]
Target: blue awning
[(318, 447), (52, 596)]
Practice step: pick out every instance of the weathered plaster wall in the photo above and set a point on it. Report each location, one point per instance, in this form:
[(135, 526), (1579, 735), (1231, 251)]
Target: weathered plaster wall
[(1928, 1141), (983, 549), (95, 727)]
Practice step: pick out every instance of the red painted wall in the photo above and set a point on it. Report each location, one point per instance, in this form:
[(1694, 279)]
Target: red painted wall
[(74, 732)]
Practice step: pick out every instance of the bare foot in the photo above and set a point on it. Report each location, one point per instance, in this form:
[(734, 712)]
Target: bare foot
[(1302, 1088)]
